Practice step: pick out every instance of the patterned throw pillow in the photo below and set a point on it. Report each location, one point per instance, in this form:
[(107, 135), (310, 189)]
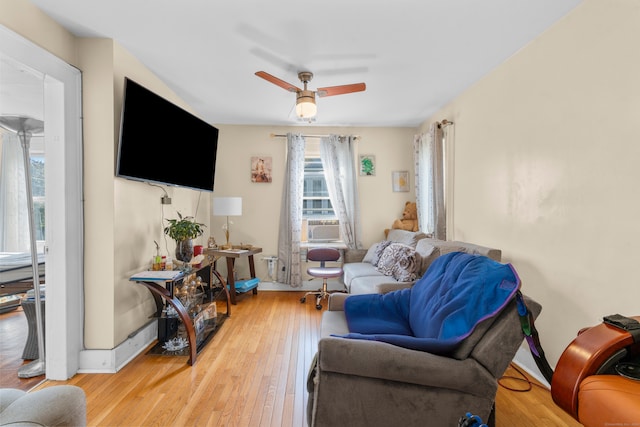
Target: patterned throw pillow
[(375, 252), (399, 261)]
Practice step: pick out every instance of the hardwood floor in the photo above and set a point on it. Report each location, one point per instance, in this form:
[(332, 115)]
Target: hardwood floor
[(528, 408), (13, 336), (253, 373)]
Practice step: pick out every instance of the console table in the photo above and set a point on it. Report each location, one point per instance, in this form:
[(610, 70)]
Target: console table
[(231, 255), (163, 290)]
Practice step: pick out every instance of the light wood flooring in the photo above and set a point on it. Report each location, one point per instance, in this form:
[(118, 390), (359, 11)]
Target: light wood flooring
[(253, 373), (13, 336)]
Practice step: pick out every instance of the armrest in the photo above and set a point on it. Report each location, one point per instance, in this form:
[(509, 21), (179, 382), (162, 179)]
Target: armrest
[(354, 255), (53, 406), (336, 301), (385, 288), (384, 361)]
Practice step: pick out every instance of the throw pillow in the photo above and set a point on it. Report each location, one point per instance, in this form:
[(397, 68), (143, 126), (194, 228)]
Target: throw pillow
[(399, 261), (371, 256), (378, 250)]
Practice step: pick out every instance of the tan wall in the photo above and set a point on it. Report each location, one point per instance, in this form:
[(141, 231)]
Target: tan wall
[(258, 224), (546, 153), (96, 63), (546, 167), (31, 23), (122, 218), (138, 211)]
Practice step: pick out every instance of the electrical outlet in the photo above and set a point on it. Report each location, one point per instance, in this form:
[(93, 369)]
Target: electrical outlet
[(165, 200)]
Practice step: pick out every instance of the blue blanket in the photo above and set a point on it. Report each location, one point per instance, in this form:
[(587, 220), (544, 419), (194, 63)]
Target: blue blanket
[(457, 292)]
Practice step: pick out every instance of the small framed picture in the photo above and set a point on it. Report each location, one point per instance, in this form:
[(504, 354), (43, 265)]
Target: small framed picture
[(367, 165), (261, 169), (400, 181)]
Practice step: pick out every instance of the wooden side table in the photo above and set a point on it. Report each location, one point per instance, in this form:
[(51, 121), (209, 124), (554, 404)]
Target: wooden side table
[(231, 255), (162, 289)]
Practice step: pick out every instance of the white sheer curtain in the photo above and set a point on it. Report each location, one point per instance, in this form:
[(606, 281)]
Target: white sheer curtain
[(338, 161), (429, 182), (289, 271), (14, 219)]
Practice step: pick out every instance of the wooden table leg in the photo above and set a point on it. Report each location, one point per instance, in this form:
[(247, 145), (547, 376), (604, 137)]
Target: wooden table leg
[(226, 291), (158, 291), (188, 326), (230, 280), (252, 270)]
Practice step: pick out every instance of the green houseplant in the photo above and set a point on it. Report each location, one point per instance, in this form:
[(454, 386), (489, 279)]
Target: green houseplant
[(183, 230)]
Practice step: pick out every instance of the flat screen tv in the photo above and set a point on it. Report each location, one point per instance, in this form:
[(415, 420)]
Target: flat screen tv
[(164, 144)]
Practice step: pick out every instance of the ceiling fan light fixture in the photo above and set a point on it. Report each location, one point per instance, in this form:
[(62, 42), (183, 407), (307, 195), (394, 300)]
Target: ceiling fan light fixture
[(306, 107)]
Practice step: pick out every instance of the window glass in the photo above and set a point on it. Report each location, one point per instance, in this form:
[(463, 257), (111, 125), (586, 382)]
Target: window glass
[(37, 191), (315, 199)]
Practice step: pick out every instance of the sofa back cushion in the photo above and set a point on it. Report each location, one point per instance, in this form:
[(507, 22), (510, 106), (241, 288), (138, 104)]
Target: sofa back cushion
[(409, 238), (429, 249), (470, 248), (426, 252)]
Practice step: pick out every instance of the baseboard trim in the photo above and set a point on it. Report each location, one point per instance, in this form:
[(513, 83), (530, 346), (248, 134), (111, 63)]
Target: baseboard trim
[(307, 285), (111, 361)]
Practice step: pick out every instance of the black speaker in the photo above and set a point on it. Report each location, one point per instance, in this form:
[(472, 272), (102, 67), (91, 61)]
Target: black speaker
[(167, 328)]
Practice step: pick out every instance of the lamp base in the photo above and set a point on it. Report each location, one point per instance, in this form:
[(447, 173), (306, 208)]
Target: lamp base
[(32, 369)]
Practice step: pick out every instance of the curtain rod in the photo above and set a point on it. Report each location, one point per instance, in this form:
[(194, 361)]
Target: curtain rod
[(444, 123), (274, 135)]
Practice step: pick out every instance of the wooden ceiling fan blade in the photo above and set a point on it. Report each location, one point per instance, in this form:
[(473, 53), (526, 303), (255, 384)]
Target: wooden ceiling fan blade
[(341, 90), (276, 81)]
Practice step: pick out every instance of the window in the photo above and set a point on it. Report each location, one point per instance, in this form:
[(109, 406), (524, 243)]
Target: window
[(37, 192), (14, 223), (318, 216), (315, 199)]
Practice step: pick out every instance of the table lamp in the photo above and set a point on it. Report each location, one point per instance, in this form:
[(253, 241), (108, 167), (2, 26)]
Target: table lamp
[(227, 206)]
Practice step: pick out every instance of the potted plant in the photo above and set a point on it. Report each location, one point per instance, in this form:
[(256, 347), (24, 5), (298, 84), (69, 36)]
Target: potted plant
[(183, 230)]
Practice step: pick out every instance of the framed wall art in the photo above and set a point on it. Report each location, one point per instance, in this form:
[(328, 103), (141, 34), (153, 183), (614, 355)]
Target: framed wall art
[(400, 181), (367, 165), (261, 169)]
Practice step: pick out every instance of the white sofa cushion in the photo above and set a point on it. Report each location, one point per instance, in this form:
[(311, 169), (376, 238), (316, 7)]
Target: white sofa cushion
[(358, 269), (376, 285)]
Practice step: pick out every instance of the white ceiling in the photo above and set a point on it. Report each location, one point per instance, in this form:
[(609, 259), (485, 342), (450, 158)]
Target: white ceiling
[(414, 55)]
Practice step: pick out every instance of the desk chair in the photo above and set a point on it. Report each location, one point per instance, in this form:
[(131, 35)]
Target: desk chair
[(322, 255)]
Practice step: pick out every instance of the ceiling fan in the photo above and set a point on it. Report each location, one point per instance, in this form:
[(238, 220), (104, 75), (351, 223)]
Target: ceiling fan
[(306, 99)]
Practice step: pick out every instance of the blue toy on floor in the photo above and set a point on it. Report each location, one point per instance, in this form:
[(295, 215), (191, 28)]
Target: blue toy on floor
[(471, 421)]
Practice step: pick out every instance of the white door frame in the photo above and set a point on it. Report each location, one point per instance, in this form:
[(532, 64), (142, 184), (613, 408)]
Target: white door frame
[(64, 314)]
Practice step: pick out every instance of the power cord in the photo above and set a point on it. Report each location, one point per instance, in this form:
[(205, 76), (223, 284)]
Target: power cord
[(166, 200), (523, 378)]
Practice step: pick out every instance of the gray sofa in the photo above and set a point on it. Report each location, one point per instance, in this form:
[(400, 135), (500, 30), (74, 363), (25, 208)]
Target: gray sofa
[(361, 276), (371, 383), (61, 405)]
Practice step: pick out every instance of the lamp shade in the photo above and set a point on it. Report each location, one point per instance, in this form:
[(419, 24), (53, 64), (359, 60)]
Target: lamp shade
[(227, 206), (306, 104)]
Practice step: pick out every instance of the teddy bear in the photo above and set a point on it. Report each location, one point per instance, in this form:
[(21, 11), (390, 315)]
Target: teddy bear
[(409, 219)]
